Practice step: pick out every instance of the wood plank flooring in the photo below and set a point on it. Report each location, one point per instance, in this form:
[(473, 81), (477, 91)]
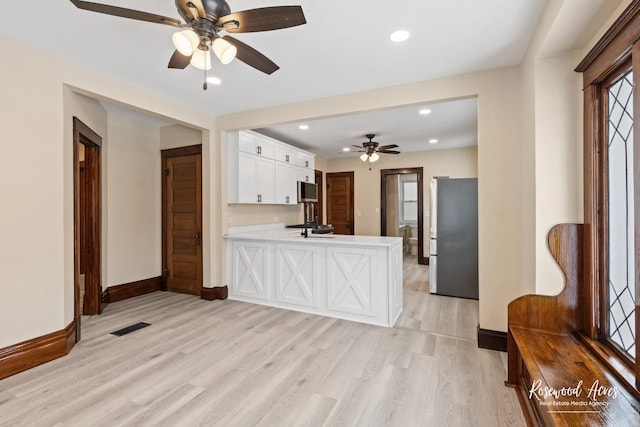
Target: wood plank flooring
[(228, 363)]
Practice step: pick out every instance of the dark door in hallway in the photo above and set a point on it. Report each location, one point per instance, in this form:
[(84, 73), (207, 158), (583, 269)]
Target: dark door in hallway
[(340, 202), (87, 228), (182, 219)]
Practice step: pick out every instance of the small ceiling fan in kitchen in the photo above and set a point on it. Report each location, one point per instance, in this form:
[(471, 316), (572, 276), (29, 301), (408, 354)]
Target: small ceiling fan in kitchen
[(204, 21), (371, 149)]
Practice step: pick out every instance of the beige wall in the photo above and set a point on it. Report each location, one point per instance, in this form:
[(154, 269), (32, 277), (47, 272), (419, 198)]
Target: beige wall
[(456, 163), (36, 219), (174, 136), (134, 217)]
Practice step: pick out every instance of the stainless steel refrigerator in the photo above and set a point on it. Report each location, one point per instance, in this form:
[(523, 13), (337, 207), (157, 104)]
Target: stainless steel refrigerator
[(453, 239)]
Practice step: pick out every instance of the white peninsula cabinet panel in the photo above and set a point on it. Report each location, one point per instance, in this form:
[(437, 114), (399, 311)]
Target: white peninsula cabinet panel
[(263, 170), (251, 267), (355, 278), (351, 277), (299, 270)]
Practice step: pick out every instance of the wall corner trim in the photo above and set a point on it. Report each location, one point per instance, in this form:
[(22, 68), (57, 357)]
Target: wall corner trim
[(218, 292), (492, 340), (29, 354)]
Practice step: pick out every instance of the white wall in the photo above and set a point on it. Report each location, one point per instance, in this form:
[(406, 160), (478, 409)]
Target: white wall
[(134, 215)]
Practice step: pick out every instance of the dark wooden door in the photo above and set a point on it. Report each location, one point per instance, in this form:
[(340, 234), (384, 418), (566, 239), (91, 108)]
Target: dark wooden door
[(340, 202), (86, 222), (183, 223)]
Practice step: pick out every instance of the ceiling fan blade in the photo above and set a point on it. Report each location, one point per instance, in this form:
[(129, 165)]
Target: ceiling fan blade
[(387, 147), (389, 152), (357, 146), (179, 60), (252, 57), (263, 19), (126, 13)]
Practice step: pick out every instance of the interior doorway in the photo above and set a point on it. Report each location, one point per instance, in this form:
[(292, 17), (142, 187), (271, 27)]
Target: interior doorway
[(340, 202), (320, 184), (86, 230), (402, 208), (182, 219)]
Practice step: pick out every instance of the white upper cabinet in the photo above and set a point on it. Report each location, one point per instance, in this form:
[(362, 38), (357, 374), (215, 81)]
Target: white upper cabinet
[(285, 153), (286, 184), (263, 170), (257, 144)]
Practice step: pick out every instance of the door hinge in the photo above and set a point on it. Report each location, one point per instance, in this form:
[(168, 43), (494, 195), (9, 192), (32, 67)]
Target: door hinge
[(166, 273), (166, 171)]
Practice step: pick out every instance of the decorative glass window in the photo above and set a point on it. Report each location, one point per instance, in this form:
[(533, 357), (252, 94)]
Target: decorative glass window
[(621, 295)]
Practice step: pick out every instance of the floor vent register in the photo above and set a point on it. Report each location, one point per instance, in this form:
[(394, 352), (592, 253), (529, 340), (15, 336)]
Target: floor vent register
[(129, 329)]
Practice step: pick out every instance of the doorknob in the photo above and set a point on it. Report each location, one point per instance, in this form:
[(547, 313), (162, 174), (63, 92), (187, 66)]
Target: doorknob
[(197, 236)]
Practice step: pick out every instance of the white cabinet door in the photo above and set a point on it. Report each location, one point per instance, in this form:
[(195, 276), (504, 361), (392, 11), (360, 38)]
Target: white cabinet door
[(285, 154), (256, 180), (352, 280), (247, 142), (298, 275), (286, 188), (266, 180), (265, 147), (247, 178), (253, 143), (304, 160), (305, 175), (251, 270)]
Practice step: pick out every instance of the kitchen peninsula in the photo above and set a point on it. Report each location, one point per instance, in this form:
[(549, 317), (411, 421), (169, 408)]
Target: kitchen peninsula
[(356, 278)]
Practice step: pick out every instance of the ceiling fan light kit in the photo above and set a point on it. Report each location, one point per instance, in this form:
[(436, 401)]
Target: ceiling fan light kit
[(225, 51), (201, 59), (370, 149), (185, 42), (204, 20)]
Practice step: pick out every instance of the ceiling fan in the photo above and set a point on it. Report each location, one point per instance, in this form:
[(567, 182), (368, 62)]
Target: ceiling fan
[(204, 21), (371, 149)]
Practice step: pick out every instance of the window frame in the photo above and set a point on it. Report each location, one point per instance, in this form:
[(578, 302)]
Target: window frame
[(403, 201), (617, 51)]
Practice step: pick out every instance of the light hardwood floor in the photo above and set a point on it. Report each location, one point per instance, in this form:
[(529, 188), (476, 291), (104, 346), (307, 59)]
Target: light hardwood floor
[(230, 363)]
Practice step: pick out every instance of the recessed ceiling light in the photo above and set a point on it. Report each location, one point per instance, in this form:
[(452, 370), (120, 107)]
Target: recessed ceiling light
[(214, 80), (425, 111), (346, 149), (399, 36), (433, 141), (303, 127)]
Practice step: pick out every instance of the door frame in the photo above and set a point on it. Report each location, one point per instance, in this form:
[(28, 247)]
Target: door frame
[(383, 205), (350, 174), (320, 184), (92, 143), (165, 154)]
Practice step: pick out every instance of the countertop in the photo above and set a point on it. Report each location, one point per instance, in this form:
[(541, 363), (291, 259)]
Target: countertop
[(293, 236)]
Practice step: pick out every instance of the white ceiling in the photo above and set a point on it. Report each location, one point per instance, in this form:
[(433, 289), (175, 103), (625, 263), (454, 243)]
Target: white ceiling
[(454, 124), (343, 48)]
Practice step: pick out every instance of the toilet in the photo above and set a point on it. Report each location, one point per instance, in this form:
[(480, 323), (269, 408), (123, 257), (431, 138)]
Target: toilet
[(413, 245)]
